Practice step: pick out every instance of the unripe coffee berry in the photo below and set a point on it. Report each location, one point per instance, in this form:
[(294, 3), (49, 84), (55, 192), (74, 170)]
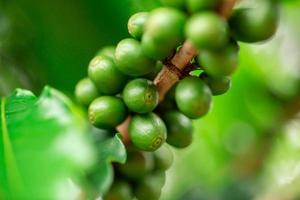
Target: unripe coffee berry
[(180, 129), (147, 132), (255, 24), (85, 91), (193, 97), (137, 166), (140, 95), (164, 29), (207, 30), (221, 62), (163, 158), (120, 190), (108, 51), (107, 112), (150, 187), (136, 24), (217, 85), (104, 73), (131, 60)]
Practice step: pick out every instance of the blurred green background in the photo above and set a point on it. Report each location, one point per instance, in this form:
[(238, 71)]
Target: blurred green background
[(248, 147)]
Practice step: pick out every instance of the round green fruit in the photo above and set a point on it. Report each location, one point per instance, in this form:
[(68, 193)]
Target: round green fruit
[(147, 132), (217, 85), (136, 24), (221, 62), (85, 91), (164, 29), (255, 24), (193, 97), (105, 75), (131, 60), (180, 129), (200, 5), (108, 51), (207, 30), (163, 158), (154, 49), (137, 166), (140, 95), (107, 112), (150, 188), (120, 190)]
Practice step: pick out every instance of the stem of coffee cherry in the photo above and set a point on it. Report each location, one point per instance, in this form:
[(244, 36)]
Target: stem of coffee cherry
[(174, 67)]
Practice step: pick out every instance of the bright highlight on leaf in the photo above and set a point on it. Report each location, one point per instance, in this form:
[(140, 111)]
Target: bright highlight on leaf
[(44, 147)]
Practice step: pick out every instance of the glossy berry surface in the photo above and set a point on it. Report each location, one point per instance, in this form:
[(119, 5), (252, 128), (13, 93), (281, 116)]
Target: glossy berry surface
[(154, 49), (120, 190), (221, 62), (163, 158), (136, 24), (150, 187), (180, 129), (147, 132), (131, 60), (108, 51), (193, 97), (107, 112), (85, 91), (217, 85), (207, 30), (105, 75), (137, 166), (255, 24), (164, 29), (140, 95)]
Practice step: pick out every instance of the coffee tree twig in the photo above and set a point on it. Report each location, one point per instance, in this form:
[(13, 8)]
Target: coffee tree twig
[(170, 73)]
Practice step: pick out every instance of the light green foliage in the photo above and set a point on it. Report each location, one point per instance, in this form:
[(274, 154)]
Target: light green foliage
[(43, 146)]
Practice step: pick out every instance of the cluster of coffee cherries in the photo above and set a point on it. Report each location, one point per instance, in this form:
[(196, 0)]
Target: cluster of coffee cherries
[(120, 82)]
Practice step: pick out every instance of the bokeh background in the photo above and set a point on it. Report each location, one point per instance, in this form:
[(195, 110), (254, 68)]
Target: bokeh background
[(248, 147)]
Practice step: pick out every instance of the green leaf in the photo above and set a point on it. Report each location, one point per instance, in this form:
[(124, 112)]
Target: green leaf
[(43, 146), (101, 176)]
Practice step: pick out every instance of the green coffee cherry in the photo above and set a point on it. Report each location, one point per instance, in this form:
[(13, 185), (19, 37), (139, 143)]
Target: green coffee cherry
[(173, 3), (180, 129), (136, 24), (163, 158), (108, 51), (154, 49), (193, 97), (140, 95), (164, 29), (150, 187), (120, 190), (221, 62), (200, 5), (217, 85), (107, 112), (105, 75), (255, 24), (137, 166), (207, 30), (131, 60), (147, 132), (85, 91)]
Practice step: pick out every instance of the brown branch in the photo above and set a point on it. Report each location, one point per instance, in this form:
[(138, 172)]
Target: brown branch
[(167, 77)]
